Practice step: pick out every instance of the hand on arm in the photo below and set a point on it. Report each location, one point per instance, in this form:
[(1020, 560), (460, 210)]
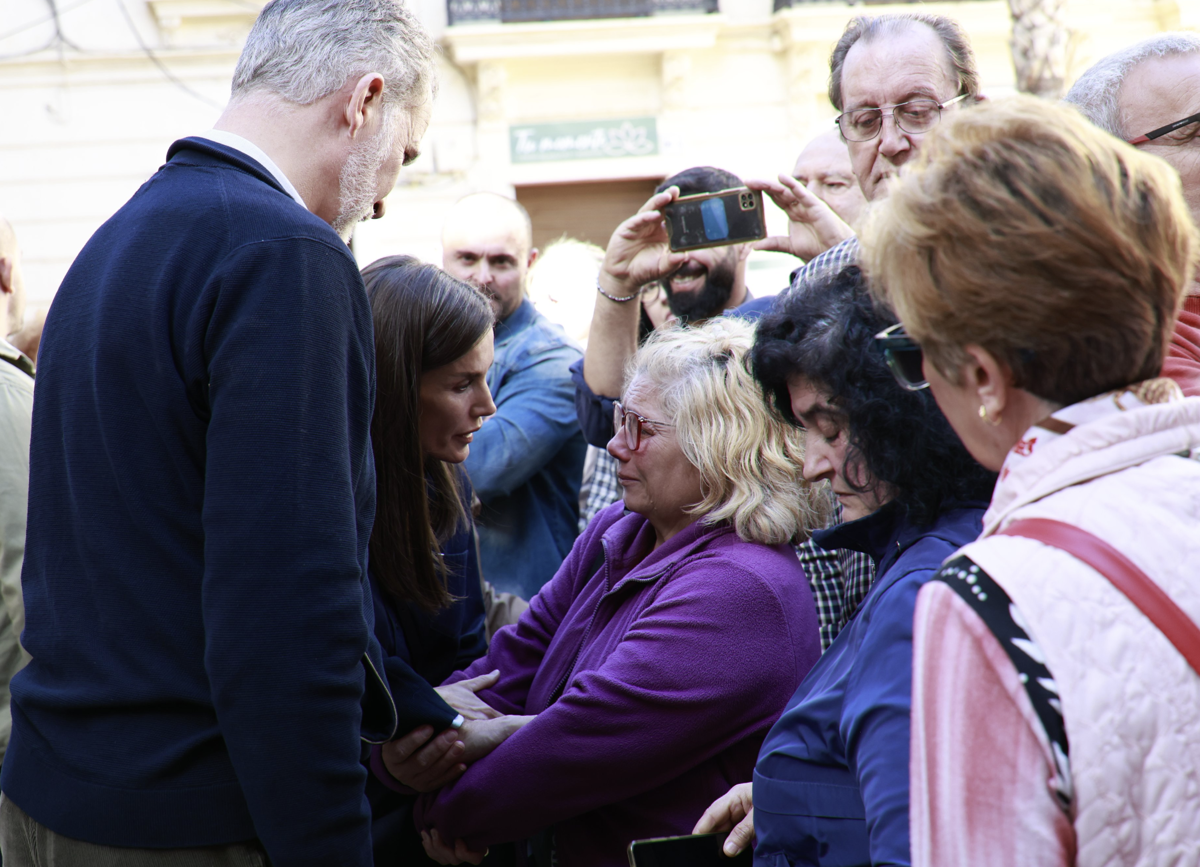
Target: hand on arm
[(426, 763), (637, 254), (732, 812), (462, 696), (813, 227)]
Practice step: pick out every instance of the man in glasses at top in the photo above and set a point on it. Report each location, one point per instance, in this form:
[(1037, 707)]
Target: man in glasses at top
[(1149, 95), (892, 77)]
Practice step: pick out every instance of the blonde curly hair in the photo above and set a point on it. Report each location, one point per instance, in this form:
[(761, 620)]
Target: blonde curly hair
[(749, 459)]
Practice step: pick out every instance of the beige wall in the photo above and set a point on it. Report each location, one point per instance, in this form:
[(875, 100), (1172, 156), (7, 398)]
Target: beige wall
[(85, 123)]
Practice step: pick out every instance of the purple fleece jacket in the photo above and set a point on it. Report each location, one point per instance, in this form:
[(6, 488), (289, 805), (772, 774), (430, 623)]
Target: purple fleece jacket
[(654, 681)]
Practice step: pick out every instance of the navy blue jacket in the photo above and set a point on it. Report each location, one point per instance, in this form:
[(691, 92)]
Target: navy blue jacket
[(831, 782), (201, 495)]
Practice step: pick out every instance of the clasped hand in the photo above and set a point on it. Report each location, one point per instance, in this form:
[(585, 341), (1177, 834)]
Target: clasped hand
[(426, 763)]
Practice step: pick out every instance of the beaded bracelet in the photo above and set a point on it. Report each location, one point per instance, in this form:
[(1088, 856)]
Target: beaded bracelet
[(620, 299)]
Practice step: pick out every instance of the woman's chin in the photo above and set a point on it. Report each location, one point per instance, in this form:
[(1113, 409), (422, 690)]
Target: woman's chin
[(632, 504), (451, 455)]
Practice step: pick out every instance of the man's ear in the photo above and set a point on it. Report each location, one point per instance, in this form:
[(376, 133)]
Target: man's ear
[(534, 252), (365, 99), (744, 251), (6, 275)]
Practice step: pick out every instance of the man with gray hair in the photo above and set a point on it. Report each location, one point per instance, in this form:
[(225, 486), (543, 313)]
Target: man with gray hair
[(201, 484), (1146, 95)]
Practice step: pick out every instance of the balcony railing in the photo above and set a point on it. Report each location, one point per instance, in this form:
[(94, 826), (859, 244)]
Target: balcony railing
[(788, 4), (462, 11)]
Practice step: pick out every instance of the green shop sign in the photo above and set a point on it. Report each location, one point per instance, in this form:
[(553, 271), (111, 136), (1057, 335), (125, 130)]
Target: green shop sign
[(585, 140)]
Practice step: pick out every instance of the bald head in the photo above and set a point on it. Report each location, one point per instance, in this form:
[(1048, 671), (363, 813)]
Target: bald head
[(824, 167), (488, 241)]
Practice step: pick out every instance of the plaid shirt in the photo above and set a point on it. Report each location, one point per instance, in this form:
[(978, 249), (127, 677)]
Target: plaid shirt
[(840, 580), (600, 485), (827, 264)]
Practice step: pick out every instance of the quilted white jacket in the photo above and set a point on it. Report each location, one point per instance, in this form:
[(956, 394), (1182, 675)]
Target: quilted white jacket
[(1130, 701)]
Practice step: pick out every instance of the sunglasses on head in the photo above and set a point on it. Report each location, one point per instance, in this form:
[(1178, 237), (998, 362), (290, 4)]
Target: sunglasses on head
[(904, 357)]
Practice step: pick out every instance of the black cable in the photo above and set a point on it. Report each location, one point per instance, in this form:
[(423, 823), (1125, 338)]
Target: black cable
[(170, 76), (32, 24), (58, 30)]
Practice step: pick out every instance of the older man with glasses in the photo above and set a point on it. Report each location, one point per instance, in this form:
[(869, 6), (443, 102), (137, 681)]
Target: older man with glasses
[(1146, 94), (891, 77)]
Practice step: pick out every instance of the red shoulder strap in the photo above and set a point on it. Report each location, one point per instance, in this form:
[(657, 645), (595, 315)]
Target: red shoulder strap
[(1122, 573)]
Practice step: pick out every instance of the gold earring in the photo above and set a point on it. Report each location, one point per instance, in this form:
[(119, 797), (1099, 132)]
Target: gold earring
[(983, 414)]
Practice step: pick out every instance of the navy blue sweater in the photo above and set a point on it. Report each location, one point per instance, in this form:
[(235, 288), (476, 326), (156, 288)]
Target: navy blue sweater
[(201, 495)]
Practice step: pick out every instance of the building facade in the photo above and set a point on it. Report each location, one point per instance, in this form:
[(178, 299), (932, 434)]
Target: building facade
[(578, 107)]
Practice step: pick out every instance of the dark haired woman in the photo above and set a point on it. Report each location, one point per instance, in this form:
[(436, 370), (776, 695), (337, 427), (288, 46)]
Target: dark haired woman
[(433, 347), (831, 781)]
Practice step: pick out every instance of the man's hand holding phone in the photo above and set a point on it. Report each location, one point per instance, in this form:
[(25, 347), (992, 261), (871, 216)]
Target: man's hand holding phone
[(638, 251)]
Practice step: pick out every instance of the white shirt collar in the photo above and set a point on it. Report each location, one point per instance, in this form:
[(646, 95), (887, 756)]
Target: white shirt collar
[(250, 149)]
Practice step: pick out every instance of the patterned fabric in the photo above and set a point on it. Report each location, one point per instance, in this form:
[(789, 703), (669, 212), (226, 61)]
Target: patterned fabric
[(994, 607), (600, 485), (830, 262), (840, 580)]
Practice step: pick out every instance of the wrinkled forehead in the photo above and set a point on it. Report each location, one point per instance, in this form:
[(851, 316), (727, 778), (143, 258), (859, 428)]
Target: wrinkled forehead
[(487, 232), (806, 393), (642, 397), (897, 66), (1160, 90)]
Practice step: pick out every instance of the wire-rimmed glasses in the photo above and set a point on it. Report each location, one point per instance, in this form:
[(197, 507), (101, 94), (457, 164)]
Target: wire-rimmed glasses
[(915, 117), (632, 424)]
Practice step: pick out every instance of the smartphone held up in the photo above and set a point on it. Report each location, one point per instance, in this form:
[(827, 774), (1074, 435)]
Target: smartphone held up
[(715, 219)]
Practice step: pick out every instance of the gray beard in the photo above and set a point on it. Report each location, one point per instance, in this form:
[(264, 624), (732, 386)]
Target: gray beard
[(356, 183)]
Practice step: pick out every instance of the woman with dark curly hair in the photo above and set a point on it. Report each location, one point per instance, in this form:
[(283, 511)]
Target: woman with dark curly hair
[(831, 782)]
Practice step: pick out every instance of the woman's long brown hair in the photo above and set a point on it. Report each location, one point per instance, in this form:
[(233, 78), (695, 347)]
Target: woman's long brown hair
[(424, 319)]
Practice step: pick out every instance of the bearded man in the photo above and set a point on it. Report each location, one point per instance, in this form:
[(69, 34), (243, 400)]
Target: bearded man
[(201, 482)]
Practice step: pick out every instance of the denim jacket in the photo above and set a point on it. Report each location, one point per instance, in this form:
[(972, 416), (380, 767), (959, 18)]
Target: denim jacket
[(527, 461)]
